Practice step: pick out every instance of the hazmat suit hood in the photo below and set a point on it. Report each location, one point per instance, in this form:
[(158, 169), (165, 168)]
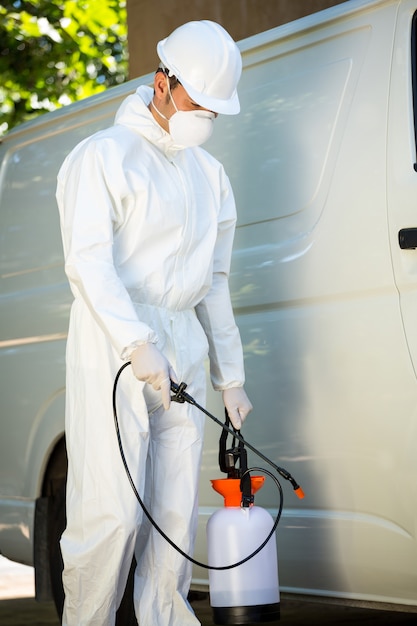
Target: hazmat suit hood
[(135, 114)]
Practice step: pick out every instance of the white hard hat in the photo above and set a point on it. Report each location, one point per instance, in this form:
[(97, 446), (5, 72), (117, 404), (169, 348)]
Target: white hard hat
[(207, 62)]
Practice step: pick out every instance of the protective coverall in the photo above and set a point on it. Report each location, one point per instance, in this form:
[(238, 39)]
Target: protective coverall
[(147, 231)]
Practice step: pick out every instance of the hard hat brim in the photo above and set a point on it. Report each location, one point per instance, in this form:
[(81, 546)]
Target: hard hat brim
[(224, 107)]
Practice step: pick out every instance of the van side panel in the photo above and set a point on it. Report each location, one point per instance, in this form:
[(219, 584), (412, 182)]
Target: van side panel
[(327, 362)]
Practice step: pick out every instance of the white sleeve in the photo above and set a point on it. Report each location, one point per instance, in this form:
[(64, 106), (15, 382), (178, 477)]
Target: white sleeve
[(225, 348), (215, 311), (88, 216)]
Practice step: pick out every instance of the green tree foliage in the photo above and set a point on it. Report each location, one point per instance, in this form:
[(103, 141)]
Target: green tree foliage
[(53, 52)]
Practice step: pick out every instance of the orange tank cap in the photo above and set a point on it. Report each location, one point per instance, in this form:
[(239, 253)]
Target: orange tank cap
[(229, 488)]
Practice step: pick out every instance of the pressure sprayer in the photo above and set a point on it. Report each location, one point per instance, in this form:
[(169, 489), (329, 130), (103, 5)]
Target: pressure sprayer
[(243, 568)]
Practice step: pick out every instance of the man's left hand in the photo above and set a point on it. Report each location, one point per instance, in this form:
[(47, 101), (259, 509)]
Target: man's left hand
[(237, 405)]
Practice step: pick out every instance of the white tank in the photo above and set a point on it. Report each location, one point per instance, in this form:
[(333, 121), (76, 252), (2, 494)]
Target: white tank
[(248, 593)]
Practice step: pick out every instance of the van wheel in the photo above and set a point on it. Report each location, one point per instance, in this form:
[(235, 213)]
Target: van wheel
[(125, 616), (56, 525)]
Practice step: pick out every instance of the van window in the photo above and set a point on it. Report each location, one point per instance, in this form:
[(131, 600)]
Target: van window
[(31, 257), (29, 222), (29, 217), (290, 127)]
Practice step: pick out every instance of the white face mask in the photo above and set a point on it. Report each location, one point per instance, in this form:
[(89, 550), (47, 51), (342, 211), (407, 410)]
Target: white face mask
[(188, 128)]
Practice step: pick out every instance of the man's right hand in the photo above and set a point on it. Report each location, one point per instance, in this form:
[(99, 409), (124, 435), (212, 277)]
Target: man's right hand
[(150, 366)]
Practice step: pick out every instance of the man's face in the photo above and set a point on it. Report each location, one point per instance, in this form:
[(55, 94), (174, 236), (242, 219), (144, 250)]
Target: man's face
[(163, 102), (182, 101)]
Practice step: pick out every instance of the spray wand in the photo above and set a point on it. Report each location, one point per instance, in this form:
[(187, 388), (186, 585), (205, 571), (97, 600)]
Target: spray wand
[(181, 396)]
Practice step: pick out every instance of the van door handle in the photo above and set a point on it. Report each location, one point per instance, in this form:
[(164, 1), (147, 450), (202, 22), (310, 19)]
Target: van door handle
[(407, 238)]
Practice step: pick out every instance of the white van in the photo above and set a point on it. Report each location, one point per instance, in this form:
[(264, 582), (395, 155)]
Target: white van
[(322, 159)]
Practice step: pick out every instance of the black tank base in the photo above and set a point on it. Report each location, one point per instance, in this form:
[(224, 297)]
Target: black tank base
[(257, 614)]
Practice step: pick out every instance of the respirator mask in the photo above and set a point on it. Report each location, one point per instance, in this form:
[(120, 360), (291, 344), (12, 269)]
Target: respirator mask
[(188, 128)]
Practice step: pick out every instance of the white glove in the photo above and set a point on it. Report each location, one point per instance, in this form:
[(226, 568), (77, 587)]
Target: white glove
[(237, 405), (150, 366)]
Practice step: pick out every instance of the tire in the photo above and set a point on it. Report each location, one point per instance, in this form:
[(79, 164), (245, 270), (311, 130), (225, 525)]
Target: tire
[(56, 524)]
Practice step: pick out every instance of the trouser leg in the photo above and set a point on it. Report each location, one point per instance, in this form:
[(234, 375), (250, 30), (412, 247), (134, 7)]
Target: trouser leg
[(163, 576), (102, 514)]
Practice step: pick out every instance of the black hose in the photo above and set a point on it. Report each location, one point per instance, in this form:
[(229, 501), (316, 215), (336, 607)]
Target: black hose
[(148, 515)]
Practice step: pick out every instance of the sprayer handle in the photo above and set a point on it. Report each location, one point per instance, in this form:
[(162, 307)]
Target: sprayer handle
[(179, 393)]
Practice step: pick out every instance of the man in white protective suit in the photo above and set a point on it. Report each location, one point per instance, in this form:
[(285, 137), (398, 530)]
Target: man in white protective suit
[(148, 220)]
